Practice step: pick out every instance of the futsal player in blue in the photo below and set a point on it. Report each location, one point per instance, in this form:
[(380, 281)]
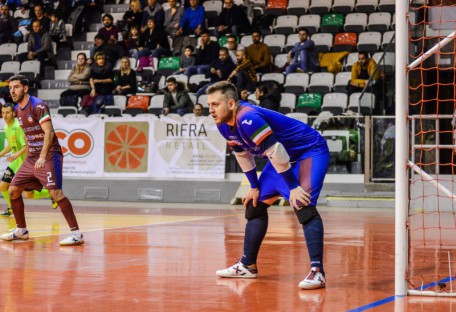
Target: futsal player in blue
[(298, 160)]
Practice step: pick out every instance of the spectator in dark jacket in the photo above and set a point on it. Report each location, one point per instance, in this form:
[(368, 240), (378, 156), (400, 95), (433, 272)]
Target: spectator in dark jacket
[(176, 101), (232, 19), (303, 55), (134, 16), (8, 25), (155, 10), (39, 44), (125, 82), (268, 95), (205, 54), (154, 40)]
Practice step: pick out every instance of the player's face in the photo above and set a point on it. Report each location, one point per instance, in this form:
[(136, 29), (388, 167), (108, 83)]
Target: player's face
[(17, 90), (8, 114), (221, 109)]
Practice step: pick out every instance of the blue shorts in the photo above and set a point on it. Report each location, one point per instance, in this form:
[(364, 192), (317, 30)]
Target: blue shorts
[(310, 173)]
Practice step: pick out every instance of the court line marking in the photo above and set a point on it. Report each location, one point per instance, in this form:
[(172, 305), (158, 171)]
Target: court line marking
[(392, 298)]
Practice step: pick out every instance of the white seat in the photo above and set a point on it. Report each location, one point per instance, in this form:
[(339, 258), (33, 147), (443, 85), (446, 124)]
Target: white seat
[(156, 104), (120, 101), (366, 6), (386, 40), (90, 36), (252, 98), (276, 42), (132, 63), (366, 104), (298, 7), (180, 78), (202, 99), (379, 21), (336, 103), (311, 22), (286, 24), (212, 8), (30, 67), (355, 22), (69, 30), (320, 6), (303, 117), (54, 84), (388, 63), (287, 103), (61, 74), (387, 6), (197, 79), (193, 98), (321, 82), (343, 6), (369, 41), (50, 94), (292, 39), (323, 42), (246, 40), (22, 48), (278, 77), (11, 67), (350, 60), (66, 111), (341, 82), (74, 54), (8, 48), (280, 60), (296, 83), (117, 16)]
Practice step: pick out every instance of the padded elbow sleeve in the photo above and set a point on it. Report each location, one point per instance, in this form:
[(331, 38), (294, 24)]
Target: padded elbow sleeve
[(278, 157)]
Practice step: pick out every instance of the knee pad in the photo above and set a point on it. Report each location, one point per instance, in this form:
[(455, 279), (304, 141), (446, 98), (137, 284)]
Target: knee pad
[(261, 210), (307, 214)]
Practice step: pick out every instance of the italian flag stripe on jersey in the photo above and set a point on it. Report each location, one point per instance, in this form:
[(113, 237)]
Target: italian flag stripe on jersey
[(44, 118), (260, 134)]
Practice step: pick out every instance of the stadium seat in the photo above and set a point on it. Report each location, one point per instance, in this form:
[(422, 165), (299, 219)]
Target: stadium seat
[(8, 69), (31, 69), (288, 103), (120, 103), (168, 65), (298, 7), (82, 45), (387, 6), (323, 42), (366, 6), (276, 43), (355, 22), (62, 74), (156, 104), (366, 104), (311, 22), (7, 52), (22, 48), (180, 78), (299, 116), (291, 40), (278, 77), (67, 110), (90, 36), (321, 83), (276, 7), (296, 83), (74, 53), (335, 103), (94, 28), (69, 30), (379, 21), (350, 60), (197, 79), (343, 6), (341, 83), (212, 8), (116, 8), (332, 23), (369, 41), (280, 60), (345, 42), (132, 63), (286, 24), (252, 98), (68, 64), (387, 36), (221, 41), (309, 103), (54, 84), (320, 6), (388, 63), (246, 40)]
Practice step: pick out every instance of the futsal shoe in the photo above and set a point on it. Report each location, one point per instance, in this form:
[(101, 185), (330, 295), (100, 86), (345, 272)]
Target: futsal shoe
[(239, 270), (15, 234), (73, 239), (8, 212), (313, 280), (54, 204)]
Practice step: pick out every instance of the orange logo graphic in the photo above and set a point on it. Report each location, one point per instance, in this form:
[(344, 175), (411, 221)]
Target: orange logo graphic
[(126, 147), (77, 143)]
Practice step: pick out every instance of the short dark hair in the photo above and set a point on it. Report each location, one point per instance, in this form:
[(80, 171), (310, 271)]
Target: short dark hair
[(21, 78), (224, 50), (363, 53), (190, 47), (303, 29), (233, 37), (9, 105), (109, 16), (172, 80), (226, 88), (198, 104)]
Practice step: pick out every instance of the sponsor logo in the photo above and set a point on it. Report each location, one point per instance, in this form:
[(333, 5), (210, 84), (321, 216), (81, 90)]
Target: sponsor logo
[(77, 143)]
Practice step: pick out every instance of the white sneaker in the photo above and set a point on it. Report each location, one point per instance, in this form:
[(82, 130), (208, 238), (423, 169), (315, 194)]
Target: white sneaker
[(239, 270), (313, 280), (14, 234), (72, 240)]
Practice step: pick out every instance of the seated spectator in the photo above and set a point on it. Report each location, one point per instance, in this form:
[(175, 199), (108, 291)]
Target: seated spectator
[(198, 110), (259, 54), (110, 31), (243, 95), (155, 10), (154, 40), (109, 50), (8, 25), (268, 95), (244, 73), (186, 60), (173, 16), (232, 20), (79, 79), (192, 24), (39, 16), (233, 46), (303, 55), (221, 68), (361, 71), (205, 54), (57, 28), (39, 46), (133, 42), (176, 101), (134, 16), (101, 83), (125, 80)]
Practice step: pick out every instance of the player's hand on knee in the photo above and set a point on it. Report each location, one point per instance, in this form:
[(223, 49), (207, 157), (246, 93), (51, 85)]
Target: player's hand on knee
[(299, 198), (253, 193)]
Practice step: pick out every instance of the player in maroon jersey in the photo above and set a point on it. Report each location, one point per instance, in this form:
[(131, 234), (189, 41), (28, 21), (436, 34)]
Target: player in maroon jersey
[(43, 165)]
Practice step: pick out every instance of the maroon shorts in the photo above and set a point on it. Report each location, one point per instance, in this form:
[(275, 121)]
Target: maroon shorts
[(49, 176)]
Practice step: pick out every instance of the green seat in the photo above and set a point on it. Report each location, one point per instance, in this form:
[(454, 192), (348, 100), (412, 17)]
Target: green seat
[(222, 41), (169, 63), (309, 103), (332, 23)]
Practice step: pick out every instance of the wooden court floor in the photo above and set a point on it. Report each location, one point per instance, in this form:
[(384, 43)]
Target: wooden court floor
[(162, 257)]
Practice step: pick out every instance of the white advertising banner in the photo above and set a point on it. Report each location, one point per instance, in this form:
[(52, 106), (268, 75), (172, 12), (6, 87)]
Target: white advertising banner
[(186, 147), (82, 141)]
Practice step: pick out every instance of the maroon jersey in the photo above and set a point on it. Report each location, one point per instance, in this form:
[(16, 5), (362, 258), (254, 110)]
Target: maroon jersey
[(31, 117)]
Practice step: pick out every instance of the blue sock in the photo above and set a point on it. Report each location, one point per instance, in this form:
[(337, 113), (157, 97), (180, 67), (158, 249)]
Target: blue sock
[(313, 233), (255, 230)]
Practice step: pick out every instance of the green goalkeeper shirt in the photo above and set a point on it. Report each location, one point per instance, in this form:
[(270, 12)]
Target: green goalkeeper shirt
[(16, 141)]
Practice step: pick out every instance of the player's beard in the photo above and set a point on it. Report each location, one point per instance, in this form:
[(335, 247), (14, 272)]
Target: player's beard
[(227, 118), (20, 97)]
